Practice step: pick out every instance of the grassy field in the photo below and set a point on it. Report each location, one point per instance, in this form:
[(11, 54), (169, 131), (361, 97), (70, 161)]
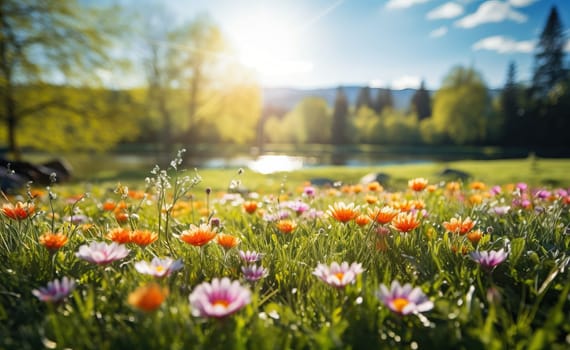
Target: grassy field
[(178, 261)]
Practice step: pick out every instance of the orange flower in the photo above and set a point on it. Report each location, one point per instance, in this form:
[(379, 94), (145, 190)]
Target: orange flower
[(227, 241), (405, 222), (477, 186), (121, 216), (20, 211), (343, 212), (431, 188), (456, 225), (453, 186), (475, 236), (475, 199), (362, 220), (460, 248), (250, 207), (374, 187), (198, 235), (53, 241), (405, 205), (109, 206), (136, 194), (120, 235), (143, 237), (384, 215), (418, 184), (356, 188), (148, 298), (286, 226), (371, 199)]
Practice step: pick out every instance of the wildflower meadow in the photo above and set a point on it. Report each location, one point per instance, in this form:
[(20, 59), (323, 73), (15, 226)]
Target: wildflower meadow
[(169, 263)]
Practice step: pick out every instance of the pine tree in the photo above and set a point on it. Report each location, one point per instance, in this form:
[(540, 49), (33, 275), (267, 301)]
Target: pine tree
[(510, 107), (549, 59), (383, 100), (364, 99), (421, 102), (340, 118)]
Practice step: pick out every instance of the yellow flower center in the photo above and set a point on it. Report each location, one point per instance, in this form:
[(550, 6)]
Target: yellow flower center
[(160, 268), (221, 302), (400, 303), (339, 275)]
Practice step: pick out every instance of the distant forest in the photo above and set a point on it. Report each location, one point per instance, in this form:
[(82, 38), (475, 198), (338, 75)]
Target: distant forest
[(55, 55)]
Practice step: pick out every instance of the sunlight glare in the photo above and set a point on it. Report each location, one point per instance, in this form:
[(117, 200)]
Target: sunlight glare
[(267, 44), (268, 164)]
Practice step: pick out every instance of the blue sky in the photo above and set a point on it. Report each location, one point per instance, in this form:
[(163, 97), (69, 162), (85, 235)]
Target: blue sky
[(396, 43)]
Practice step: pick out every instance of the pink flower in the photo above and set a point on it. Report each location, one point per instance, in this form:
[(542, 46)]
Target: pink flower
[(489, 259), (250, 257), (219, 299), (159, 267), (404, 300), (101, 253), (56, 290), (254, 273), (337, 275)]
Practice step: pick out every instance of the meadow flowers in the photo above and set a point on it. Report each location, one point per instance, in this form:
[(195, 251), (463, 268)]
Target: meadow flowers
[(20, 211), (286, 226), (337, 275), (143, 237), (55, 291), (405, 222), (53, 241), (159, 267), (227, 241), (404, 300), (456, 225), (119, 235), (384, 215), (101, 253), (254, 273), (250, 257), (198, 235), (148, 298), (418, 184), (489, 259), (343, 212), (220, 298)]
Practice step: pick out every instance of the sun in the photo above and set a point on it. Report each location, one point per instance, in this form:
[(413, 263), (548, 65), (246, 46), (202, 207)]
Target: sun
[(268, 44)]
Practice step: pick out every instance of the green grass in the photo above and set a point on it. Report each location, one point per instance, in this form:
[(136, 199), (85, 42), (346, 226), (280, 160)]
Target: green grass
[(522, 303)]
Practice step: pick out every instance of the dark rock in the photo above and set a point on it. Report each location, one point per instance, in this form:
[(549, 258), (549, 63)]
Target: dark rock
[(322, 182), (61, 168), (382, 178), (10, 181), (39, 174), (455, 174)]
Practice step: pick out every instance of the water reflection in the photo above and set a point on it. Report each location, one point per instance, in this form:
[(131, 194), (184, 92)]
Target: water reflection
[(268, 164)]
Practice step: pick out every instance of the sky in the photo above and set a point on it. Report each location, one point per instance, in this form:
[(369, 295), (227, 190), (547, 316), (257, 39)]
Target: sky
[(380, 43)]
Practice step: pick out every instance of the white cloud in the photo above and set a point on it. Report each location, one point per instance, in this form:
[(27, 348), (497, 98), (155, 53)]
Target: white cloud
[(567, 46), (503, 44), (402, 4), (491, 11), (521, 3), (377, 83), (447, 10), (406, 81), (439, 32)]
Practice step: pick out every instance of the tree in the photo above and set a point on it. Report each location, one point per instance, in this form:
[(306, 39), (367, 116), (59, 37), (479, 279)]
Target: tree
[(364, 99), (549, 59), (340, 118), (515, 125), (383, 101), (43, 42), (421, 102), (462, 107)]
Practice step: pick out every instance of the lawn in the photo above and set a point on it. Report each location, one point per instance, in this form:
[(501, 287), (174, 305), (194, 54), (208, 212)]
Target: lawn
[(222, 259)]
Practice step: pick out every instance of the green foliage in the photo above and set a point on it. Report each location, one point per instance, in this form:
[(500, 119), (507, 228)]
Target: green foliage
[(461, 107), (522, 303)]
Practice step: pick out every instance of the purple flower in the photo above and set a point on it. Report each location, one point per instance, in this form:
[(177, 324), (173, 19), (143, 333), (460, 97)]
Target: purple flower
[(309, 191), (159, 267), (77, 219), (489, 259), (218, 299), (101, 253), (522, 187), (501, 210), (254, 273), (496, 190), (297, 206), (404, 300), (250, 257), (543, 194), (337, 275), (56, 290), (314, 214)]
